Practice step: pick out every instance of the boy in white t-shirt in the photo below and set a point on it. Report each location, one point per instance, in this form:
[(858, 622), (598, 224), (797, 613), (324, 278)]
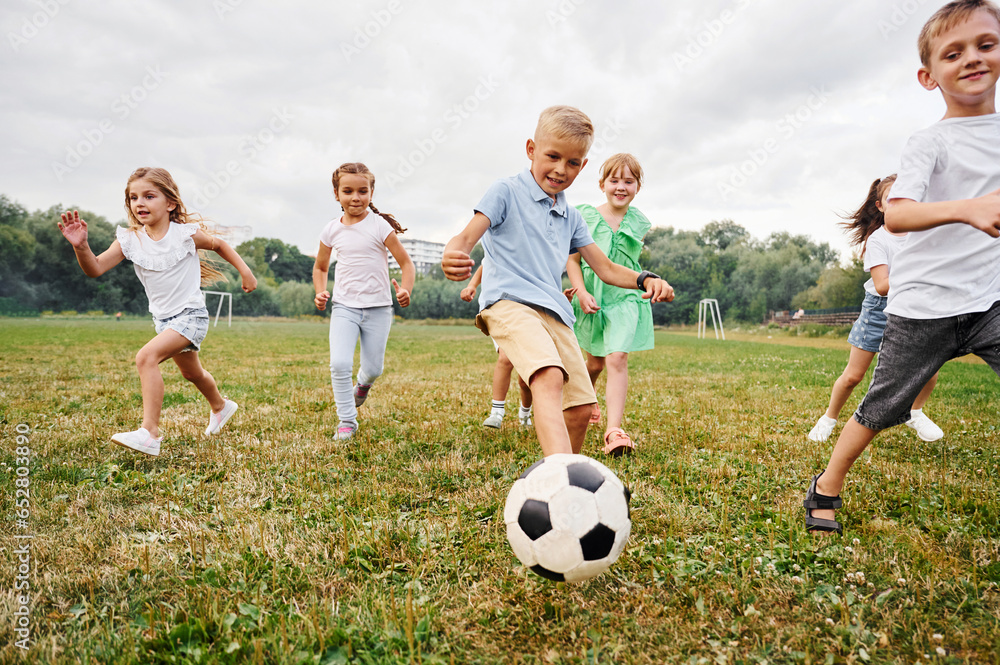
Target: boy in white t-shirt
[(944, 287)]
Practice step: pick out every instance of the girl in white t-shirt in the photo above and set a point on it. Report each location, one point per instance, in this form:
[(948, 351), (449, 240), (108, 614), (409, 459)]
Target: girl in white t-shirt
[(162, 241), (867, 230), (362, 300)]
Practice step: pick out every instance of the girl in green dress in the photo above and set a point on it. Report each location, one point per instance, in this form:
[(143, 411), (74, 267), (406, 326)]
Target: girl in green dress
[(612, 322)]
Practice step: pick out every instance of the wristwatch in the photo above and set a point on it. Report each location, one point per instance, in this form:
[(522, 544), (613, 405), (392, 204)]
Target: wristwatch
[(643, 276)]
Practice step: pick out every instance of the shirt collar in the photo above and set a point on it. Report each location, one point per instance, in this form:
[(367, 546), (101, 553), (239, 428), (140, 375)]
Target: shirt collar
[(539, 194)]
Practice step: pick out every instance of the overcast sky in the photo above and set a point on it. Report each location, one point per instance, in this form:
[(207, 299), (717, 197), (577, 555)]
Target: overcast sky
[(772, 113)]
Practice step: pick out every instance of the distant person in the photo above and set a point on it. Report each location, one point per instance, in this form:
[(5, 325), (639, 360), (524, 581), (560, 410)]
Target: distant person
[(361, 298), (612, 322), (501, 374), (528, 230), (162, 240), (944, 288), (878, 246), (118, 316)]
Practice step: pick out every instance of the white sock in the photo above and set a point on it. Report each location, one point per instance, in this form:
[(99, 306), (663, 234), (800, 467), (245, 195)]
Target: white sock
[(915, 412), (524, 411), (498, 409), (828, 420)]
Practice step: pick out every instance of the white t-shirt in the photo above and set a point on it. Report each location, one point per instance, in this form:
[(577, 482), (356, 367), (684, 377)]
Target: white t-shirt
[(951, 269), (168, 268), (361, 277), (879, 251)]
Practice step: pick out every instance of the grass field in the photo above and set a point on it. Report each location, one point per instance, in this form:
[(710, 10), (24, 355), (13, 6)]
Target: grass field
[(271, 543)]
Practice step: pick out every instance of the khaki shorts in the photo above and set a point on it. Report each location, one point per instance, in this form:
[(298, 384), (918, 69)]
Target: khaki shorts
[(534, 340)]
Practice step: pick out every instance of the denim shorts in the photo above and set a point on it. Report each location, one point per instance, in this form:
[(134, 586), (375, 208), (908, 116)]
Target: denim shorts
[(913, 350), (866, 334), (192, 323)]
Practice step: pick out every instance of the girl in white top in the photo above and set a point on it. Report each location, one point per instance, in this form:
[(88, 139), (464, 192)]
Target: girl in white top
[(878, 246), (162, 241), (362, 301)]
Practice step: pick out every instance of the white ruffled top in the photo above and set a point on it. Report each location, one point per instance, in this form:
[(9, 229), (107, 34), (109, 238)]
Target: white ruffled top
[(168, 268)]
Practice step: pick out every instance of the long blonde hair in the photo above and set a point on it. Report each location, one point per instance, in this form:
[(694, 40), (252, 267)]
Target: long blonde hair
[(163, 181)]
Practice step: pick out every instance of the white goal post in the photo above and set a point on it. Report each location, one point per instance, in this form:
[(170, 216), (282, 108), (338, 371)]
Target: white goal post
[(218, 310)]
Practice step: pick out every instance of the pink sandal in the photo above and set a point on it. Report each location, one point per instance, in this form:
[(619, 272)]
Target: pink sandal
[(622, 445), (595, 414)]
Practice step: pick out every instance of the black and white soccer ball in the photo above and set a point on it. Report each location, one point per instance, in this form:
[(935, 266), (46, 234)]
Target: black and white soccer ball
[(567, 517)]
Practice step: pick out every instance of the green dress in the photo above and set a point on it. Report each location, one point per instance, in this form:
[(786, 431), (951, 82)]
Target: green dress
[(625, 320)]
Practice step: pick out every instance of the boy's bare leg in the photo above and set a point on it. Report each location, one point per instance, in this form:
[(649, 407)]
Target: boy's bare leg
[(577, 419), (525, 392), (546, 393), (501, 377), (925, 393), (853, 440)]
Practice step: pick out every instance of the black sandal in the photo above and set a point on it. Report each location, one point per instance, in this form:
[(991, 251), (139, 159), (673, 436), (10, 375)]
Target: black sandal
[(816, 501)]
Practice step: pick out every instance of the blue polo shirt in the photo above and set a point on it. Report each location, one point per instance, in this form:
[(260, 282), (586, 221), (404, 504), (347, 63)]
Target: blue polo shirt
[(529, 239)]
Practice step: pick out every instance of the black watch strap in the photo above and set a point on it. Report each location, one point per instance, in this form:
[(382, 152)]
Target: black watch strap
[(643, 276)]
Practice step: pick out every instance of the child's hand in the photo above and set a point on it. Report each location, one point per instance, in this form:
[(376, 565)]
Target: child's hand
[(657, 290), (402, 295), (249, 283), (457, 266), (569, 293), (73, 228), (468, 293), (985, 214), (588, 303), (320, 300)]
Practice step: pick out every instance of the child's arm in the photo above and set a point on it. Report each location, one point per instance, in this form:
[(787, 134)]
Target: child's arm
[(609, 272), (880, 275), (321, 276), (74, 230), (469, 292), (575, 273), (456, 263), (203, 240), (982, 213), (409, 273)]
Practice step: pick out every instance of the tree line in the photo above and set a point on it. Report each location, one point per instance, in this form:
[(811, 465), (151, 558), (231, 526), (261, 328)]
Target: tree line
[(749, 277)]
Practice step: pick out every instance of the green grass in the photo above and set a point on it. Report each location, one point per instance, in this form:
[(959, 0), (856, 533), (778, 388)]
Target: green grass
[(271, 543)]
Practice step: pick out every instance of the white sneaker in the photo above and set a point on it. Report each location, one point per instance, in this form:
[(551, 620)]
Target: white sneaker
[(494, 420), (525, 420), (217, 420), (925, 427), (139, 440), (344, 432), (823, 429)]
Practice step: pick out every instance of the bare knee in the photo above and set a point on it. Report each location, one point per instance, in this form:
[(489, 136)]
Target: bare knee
[(617, 362), (193, 374), (595, 364), (851, 379)]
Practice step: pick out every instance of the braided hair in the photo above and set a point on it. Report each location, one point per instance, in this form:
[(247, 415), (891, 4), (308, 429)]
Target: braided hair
[(357, 168)]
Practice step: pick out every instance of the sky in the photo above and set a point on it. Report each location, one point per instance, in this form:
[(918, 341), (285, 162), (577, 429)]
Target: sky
[(774, 114)]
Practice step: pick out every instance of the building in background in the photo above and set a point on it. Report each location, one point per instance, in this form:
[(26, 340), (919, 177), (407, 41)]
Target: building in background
[(424, 254)]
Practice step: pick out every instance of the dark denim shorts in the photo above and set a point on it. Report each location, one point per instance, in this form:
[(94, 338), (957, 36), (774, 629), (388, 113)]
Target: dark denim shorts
[(913, 350), (191, 323), (866, 334)]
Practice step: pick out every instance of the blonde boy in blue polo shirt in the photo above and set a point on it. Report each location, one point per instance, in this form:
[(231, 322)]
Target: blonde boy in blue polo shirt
[(528, 230)]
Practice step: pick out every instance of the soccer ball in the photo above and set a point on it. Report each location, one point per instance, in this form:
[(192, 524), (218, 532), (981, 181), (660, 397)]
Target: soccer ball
[(567, 517)]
